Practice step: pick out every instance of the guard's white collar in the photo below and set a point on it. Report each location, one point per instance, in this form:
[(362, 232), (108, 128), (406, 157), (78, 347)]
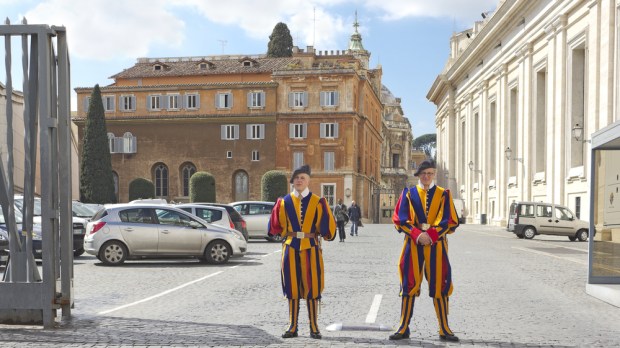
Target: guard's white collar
[(303, 193), (429, 186)]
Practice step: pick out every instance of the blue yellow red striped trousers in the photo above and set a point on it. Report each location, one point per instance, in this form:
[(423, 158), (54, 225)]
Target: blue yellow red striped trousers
[(433, 260), (302, 272)]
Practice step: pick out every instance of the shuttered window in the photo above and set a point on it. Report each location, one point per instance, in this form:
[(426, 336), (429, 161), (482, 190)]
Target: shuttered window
[(329, 98), (329, 130), (255, 131), (298, 130), (230, 132)]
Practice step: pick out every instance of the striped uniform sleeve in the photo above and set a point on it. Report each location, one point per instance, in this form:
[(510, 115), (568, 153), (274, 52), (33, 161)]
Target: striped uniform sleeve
[(447, 220), (404, 216), (326, 221), (275, 227)]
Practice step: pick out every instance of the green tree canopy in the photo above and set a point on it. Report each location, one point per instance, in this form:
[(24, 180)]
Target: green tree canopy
[(274, 184), (280, 42), (96, 180), (428, 144)]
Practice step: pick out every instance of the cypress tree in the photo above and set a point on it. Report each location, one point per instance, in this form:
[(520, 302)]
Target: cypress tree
[(96, 180), (280, 42)]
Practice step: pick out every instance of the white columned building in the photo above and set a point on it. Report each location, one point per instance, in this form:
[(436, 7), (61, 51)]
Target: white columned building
[(513, 91)]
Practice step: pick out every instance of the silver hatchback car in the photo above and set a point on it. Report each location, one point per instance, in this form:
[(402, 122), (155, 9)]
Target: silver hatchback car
[(125, 231)]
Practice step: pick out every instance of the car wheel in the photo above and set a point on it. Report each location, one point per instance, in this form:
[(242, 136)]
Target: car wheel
[(78, 252), (217, 252), (529, 232), (113, 253), (582, 235), (572, 238), (275, 239)]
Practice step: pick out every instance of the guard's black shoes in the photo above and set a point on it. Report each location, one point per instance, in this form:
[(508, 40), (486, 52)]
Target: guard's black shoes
[(289, 334), (316, 335), (399, 336), (449, 337)]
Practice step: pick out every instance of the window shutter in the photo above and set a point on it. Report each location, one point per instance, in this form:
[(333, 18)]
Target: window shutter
[(262, 99), (133, 103), (197, 101), (249, 99), (134, 144), (148, 102), (305, 99), (323, 125), (230, 104), (237, 131), (248, 131), (291, 130), (223, 132), (322, 98), (113, 100), (217, 100), (262, 131), (335, 130), (86, 104), (291, 100), (336, 98), (121, 105), (304, 130)]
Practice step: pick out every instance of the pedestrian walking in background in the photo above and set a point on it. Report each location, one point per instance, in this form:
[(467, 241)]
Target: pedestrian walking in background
[(340, 213), (426, 215), (355, 215), (302, 219)]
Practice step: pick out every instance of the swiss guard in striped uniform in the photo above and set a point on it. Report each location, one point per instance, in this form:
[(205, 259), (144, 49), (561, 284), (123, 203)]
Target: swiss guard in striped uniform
[(302, 218), (425, 214)]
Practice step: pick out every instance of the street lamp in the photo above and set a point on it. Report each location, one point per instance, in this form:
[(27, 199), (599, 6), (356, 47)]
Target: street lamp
[(508, 153)]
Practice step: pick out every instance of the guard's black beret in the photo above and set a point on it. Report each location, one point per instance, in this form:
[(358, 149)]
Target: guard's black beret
[(305, 169)]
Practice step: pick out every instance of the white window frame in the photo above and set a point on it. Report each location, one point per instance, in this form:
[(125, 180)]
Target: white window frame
[(298, 99), (298, 130), (329, 130), (329, 161), (224, 100), (154, 102), (329, 98), (255, 131), (192, 104), (256, 100), (228, 154), (298, 159), (127, 103), (330, 198), (255, 156), (230, 132), (174, 101), (109, 102)]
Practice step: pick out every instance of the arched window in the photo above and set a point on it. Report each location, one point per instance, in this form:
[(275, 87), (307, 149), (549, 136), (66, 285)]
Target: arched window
[(241, 186), (111, 142), (187, 170), (161, 180), (115, 178)]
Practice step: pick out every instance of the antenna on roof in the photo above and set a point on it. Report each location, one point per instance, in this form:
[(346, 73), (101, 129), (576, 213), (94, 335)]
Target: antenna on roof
[(223, 43)]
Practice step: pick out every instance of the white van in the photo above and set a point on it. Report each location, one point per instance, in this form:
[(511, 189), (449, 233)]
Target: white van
[(527, 219)]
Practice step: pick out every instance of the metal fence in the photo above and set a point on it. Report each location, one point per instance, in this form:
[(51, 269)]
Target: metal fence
[(29, 294)]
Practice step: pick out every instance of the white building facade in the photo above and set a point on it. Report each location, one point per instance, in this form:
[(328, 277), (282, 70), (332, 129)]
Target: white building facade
[(515, 89)]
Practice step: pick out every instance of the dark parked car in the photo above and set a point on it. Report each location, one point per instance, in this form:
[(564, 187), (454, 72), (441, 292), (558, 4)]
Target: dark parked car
[(4, 235), (237, 219)]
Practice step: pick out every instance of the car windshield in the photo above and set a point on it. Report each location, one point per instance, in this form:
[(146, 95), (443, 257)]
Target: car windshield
[(82, 210), (18, 217), (19, 203)]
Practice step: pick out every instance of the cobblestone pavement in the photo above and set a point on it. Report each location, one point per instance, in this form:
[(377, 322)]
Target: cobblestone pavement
[(508, 293)]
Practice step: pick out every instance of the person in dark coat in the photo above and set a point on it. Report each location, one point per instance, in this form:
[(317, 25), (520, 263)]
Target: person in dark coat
[(340, 213), (355, 214)]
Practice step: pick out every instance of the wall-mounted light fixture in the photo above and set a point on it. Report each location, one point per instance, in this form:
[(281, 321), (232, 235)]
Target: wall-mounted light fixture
[(471, 167), (508, 153), (577, 133)]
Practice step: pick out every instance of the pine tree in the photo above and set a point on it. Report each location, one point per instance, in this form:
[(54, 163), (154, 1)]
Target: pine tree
[(96, 180), (280, 42)]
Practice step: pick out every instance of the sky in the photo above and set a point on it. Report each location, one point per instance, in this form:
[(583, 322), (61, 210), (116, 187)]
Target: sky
[(409, 39)]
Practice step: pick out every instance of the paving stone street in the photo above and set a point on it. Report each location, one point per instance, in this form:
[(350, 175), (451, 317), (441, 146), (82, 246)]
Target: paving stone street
[(508, 292)]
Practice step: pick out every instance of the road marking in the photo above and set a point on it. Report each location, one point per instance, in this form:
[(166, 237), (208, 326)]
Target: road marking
[(492, 234), (374, 309), (549, 254), (161, 293)]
